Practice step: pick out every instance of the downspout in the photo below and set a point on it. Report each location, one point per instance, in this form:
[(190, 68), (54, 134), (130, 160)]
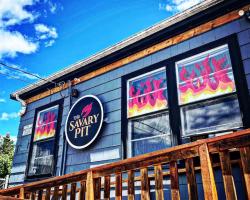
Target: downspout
[(23, 104), (65, 143)]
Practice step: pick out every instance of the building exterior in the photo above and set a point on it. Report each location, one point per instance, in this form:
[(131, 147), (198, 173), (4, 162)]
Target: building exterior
[(183, 79)]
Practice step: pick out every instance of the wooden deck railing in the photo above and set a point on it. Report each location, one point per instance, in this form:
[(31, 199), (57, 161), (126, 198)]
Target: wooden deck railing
[(147, 173)]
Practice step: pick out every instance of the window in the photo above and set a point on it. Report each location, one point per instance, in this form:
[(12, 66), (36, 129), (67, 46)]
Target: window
[(201, 92), (147, 113), (207, 92), (42, 153)]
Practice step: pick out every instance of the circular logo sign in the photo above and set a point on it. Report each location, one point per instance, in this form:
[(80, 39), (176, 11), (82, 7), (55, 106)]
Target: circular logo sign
[(84, 122)]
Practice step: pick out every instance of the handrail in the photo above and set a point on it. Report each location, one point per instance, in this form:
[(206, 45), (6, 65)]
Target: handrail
[(91, 178)]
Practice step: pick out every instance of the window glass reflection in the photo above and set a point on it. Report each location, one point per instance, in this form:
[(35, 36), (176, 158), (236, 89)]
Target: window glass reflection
[(214, 115), (42, 158), (147, 134)]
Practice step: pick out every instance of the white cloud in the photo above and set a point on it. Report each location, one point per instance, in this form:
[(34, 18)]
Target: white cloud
[(45, 32), (18, 12), (13, 12), (49, 34), (2, 100), (185, 4), (49, 43), (168, 8), (14, 42), (7, 116), (52, 7), (178, 5)]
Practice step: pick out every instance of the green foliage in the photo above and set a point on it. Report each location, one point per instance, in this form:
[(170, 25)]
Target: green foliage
[(6, 155)]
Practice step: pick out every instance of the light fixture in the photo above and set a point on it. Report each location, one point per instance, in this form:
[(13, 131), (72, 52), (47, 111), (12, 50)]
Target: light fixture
[(245, 13), (241, 13), (74, 93)]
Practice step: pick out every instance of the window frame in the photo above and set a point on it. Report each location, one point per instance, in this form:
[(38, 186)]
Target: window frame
[(239, 78), (173, 107), (190, 58), (58, 103), (129, 136), (125, 119)]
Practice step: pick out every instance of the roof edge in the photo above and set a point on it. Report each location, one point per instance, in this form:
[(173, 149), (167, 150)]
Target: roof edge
[(121, 45)]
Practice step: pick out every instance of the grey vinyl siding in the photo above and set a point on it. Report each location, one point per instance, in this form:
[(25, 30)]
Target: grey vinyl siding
[(107, 87)]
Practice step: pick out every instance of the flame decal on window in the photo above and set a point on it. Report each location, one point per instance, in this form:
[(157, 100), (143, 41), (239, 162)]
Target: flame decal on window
[(147, 95), (46, 126), (209, 78)]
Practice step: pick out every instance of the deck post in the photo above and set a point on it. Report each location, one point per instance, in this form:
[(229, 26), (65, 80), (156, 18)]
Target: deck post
[(82, 191), (118, 186), (131, 186), (90, 186), (107, 188), (228, 179), (208, 182), (175, 190), (245, 160), (145, 188), (159, 193), (21, 193), (191, 180)]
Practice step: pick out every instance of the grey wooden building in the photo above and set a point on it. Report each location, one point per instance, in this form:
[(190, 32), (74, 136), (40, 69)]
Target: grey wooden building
[(181, 80)]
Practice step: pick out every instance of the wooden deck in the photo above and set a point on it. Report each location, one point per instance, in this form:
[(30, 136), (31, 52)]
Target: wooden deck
[(124, 177)]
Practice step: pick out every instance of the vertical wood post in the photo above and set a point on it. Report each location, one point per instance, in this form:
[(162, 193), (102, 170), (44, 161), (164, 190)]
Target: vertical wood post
[(107, 188), (21, 193), (208, 182), (159, 182), (55, 193), (73, 191), (175, 191), (131, 185), (82, 191), (64, 192), (90, 186), (97, 188), (47, 195), (245, 160), (191, 180), (40, 194), (118, 186), (33, 195), (243, 179), (144, 184), (228, 179)]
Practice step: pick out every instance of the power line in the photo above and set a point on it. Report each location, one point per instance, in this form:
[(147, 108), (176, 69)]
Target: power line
[(14, 77), (17, 78), (31, 74), (25, 72)]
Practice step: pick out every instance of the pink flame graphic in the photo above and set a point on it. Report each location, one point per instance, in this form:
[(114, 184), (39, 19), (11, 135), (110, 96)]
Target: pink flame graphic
[(45, 126), (86, 110), (221, 74), (151, 99)]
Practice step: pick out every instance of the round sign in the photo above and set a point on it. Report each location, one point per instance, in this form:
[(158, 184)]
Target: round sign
[(84, 122)]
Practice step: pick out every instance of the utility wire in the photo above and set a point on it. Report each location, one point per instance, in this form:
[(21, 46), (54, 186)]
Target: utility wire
[(31, 74), (25, 72), (18, 78), (14, 77)]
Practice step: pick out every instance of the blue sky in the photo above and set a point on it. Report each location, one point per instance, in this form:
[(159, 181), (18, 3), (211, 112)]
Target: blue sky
[(44, 36)]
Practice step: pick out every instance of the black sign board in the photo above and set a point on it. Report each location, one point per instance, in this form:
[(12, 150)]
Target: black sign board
[(84, 122)]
